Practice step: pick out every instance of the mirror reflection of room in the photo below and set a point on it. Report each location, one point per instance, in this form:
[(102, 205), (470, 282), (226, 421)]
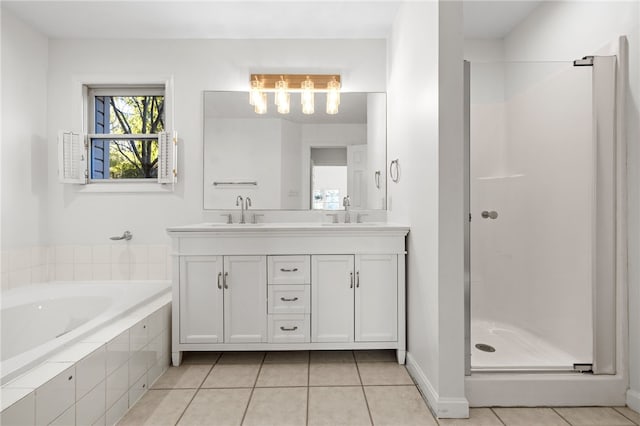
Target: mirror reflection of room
[(294, 161)]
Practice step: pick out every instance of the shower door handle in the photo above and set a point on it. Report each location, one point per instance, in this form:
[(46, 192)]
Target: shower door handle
[(489, 214)]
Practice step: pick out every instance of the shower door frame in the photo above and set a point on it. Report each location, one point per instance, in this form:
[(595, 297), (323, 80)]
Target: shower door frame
[(609, 187)]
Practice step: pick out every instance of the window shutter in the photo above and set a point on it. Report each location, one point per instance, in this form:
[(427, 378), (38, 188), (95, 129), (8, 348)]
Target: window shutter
[(167, 157), (72, 158)]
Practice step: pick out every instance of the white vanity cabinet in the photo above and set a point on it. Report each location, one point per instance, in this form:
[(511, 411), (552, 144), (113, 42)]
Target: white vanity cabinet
[(288, 287), (222, 299), (355, 298)]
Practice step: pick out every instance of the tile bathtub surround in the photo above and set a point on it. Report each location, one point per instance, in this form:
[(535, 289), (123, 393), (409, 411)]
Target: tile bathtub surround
[(94, 381), (122, 261)]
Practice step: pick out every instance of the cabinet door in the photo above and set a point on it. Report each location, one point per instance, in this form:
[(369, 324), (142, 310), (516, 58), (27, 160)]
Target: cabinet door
[(376, 298), (245, 299), (332, 282), (201, 299)]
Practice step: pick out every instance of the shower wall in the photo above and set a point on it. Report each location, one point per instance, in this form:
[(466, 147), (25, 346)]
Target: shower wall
[(532, 162)]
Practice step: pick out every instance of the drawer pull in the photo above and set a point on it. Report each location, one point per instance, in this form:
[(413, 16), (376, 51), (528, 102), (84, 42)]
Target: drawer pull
[(358, 279), (226, 276), (350, 279), (289, 329), (219, 278), (289, 270), (70, 377), (284, 299)]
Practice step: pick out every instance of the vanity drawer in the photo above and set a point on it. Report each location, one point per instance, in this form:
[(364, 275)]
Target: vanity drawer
[(289, 299), (289, 270), (289, 328)]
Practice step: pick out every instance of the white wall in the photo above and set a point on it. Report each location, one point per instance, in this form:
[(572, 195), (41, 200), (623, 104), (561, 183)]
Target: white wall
[(376, 149), (245, 150), (291, 185), (24, 148), (425, 134), (195, 65)]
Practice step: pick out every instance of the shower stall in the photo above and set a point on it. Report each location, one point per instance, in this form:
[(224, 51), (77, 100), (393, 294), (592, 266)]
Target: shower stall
[(541, 237)]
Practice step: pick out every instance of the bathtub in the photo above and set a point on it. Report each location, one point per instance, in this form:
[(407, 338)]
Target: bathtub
[(40, 320)]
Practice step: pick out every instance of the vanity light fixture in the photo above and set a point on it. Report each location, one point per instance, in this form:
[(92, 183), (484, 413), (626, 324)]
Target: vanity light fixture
[(282, 85)]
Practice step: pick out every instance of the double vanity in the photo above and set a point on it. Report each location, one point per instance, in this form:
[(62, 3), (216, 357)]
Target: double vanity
[(297, 286)]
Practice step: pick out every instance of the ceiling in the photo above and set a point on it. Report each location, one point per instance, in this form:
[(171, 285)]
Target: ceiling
[(240, 19), (494, 19)]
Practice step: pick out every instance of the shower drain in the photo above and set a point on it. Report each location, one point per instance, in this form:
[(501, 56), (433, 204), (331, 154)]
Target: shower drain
[(485, 348)]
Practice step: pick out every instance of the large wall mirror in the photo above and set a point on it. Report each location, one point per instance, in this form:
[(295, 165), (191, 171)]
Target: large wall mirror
[(295, 161)]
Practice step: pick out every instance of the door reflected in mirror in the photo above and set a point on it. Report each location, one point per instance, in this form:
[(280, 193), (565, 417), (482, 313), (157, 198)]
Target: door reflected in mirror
[(294, 161)]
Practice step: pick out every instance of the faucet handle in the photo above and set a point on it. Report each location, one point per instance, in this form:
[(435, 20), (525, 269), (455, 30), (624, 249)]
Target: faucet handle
[(255, 217), (335, 217), (229, 218), (359, 217)]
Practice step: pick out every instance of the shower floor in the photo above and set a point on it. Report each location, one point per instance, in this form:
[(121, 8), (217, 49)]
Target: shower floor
[(515, 349)]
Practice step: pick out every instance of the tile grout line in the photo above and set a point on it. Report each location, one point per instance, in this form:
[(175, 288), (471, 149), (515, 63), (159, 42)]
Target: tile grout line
[(497, 416), (308, 384), (196, 392), (561, 416), (624, 415), (246, 409), (366, 401)]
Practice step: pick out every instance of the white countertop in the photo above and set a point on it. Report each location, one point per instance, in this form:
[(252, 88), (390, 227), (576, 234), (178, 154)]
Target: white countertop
[(294, 226)]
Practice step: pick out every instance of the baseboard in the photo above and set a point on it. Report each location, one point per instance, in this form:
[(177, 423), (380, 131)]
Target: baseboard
[(443, 408), (633, 400)]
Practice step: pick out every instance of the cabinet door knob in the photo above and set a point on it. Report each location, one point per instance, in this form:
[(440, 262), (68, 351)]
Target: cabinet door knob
[(219, 280), (226, 277), (289, 329), (350, 279), (284, 299), (289, 270)]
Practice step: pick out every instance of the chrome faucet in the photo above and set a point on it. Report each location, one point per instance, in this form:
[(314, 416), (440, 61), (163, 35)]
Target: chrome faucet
[(244, 204), (346, 202)]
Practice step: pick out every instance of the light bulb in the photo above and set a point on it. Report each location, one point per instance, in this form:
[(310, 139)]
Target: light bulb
[(333, 97), (256, 91), (284, 105), (307, 96), (261, 103), (282, 97)]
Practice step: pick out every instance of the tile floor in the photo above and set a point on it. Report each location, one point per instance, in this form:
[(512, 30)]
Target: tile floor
[(321, 388)]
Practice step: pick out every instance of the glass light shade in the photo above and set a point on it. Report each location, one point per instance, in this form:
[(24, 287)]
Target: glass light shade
[(282, 88), (260, 106), (256, 91), (307, 96), (333, 97), (284, 103)]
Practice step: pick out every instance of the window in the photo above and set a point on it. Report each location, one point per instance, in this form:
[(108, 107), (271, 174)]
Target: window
[(132, 118), (126, 140)]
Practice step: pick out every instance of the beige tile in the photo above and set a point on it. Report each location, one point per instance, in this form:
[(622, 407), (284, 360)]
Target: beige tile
[(375, 355), (477, 417), (593, 416), (283, 375), (332, 356), (277, 406), (397, 406), (629, 413), (338, 406), (530, 417), (333, 374), (287, 356), (216, 406), (241, 358), (200, 357), (384, 373), (158, 407), (232, 376), (183, 377)]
